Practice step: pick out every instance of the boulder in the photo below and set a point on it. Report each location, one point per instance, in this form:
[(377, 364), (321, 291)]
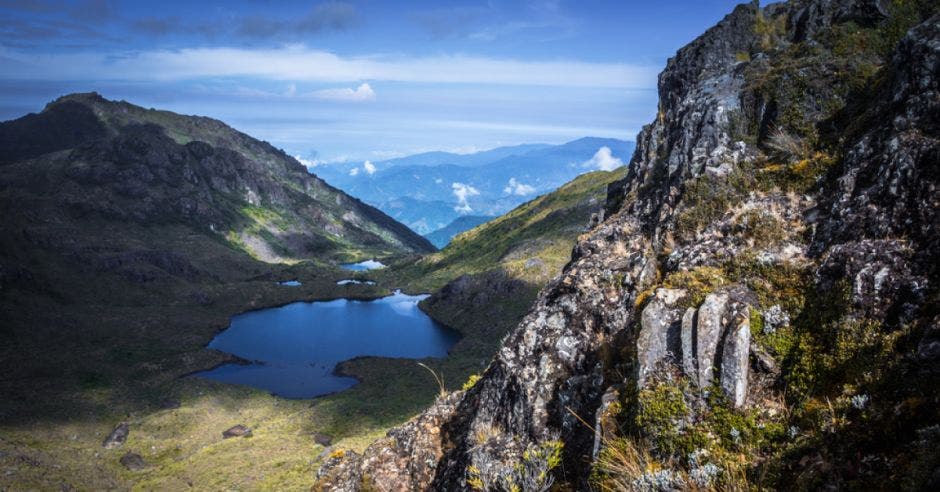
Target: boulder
[(117, 437), (134, 462), (237, 431)]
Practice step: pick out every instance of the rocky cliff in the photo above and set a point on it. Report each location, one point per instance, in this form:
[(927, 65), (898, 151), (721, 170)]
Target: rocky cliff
[(760, 306)]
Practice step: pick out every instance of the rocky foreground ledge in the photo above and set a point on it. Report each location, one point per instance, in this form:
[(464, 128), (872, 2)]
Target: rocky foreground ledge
[(759, 303)]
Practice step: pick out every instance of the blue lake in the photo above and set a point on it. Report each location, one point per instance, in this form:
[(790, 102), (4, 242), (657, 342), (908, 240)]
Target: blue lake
[(295, 348), (363, 265)]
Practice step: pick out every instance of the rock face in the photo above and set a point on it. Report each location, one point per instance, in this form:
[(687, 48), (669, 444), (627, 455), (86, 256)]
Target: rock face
[(712, 228)]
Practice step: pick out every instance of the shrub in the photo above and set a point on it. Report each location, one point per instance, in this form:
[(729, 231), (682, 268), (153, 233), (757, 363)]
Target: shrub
[(788, 146), (471, 382), (531, 474)]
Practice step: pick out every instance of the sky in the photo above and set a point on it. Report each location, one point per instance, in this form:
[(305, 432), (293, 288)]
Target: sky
[(355, 80)]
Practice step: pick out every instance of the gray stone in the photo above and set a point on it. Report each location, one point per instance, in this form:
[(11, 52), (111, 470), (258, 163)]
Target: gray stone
[(236, 431), (734, 362), (689, 319), (711, 319), (117, 437), (659, 332), (134, 462)]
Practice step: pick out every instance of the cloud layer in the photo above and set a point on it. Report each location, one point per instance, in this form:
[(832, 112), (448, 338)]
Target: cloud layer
[(604, 160), (299, 63)]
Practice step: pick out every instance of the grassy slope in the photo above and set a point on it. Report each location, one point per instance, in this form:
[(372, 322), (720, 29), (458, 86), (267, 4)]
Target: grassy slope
[(543, 229)]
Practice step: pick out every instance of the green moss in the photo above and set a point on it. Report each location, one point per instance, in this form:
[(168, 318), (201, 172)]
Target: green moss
[(698, 282), (762, 228), (661, 411)]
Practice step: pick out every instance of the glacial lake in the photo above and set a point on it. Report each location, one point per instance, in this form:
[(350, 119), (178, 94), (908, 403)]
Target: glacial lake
[(295, 348), (363, 265)]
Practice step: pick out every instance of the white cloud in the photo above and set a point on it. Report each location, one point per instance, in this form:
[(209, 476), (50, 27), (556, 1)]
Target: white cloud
[(360, 94), (291, 90), (354, 171), (604, 160), (516, 188), (438, 181), (463, 192), (368, 167), (298, 63), (309, 163)]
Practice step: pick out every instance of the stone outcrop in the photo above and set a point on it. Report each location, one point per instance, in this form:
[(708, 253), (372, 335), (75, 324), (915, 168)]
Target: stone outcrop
[(660, 327), (870, 221), (708, 344)]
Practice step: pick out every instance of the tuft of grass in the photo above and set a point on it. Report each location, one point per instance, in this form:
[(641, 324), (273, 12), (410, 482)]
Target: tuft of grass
[(438, 377)]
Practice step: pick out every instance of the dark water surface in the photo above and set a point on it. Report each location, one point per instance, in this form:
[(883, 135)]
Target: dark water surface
[(296, 347)]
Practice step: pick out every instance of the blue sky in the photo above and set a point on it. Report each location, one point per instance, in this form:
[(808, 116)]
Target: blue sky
[(359, 79)]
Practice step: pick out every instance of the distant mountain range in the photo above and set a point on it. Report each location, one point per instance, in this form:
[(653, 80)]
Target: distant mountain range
[(442, 236), (429, 191)]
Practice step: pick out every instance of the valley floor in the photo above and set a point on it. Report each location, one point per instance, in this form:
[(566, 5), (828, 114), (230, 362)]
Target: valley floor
[(53, 426)]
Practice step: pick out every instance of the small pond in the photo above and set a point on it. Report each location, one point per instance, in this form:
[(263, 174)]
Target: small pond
[(363, 265), (295, 348), (290, 283)]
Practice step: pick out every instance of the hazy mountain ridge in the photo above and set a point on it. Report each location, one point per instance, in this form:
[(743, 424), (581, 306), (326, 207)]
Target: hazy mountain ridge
[(442, 236), (486, 183)]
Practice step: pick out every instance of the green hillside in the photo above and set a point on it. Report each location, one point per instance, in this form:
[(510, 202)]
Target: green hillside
[(531, 243)]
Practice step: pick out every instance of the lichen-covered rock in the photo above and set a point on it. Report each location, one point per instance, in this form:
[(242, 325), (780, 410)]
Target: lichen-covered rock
[(734, 362), (711, 341), (712, 319), (688, 341)]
